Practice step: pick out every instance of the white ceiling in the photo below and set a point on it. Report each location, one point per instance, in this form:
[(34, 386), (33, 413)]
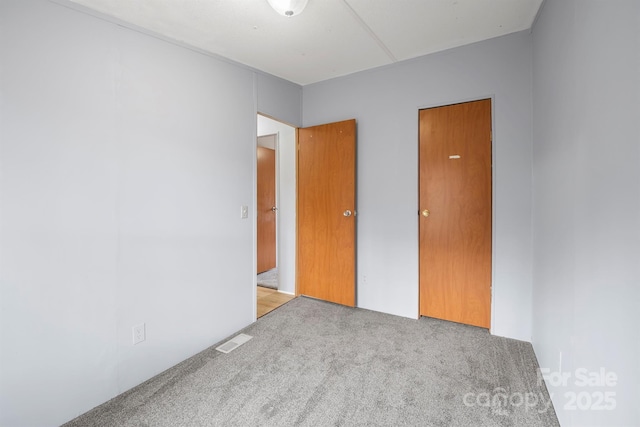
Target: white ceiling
[(331, 37)]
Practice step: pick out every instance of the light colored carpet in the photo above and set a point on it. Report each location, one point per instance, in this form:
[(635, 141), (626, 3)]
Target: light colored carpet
[(313, 363), (269, 279)]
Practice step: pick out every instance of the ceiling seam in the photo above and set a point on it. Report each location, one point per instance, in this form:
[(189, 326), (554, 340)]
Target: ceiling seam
[(371, 33)]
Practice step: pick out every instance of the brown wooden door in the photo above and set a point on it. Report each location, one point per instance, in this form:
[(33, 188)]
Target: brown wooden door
[(326, 256), (455, 189), (266, 222)]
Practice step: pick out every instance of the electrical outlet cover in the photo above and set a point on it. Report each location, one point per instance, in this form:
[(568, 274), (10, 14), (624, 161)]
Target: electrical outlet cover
[(139, 334)]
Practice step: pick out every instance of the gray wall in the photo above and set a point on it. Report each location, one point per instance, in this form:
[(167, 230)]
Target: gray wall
[(586, 216), (279, 99), (124, 162), (385, 103)]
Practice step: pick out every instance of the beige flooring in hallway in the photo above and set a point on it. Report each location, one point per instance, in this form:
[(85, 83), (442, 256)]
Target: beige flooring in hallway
[(270, 299)]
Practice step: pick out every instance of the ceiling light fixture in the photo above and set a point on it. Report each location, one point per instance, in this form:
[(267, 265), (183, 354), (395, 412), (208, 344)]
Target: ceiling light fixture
[(288, 8)]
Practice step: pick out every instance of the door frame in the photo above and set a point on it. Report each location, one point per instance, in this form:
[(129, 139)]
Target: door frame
[(492, 97), (253, 215)]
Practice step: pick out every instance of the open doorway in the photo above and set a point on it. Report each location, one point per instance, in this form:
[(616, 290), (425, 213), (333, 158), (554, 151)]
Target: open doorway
[(266, 209), (276, 271)]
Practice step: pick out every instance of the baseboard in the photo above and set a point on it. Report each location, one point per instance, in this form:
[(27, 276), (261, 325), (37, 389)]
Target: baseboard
[(288, 293)]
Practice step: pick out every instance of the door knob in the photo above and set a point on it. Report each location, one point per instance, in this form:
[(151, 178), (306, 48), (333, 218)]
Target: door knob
[(274, 209), (425, 213), (347, 213)]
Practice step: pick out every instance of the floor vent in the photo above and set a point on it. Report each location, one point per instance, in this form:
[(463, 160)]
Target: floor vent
[(233, 343)]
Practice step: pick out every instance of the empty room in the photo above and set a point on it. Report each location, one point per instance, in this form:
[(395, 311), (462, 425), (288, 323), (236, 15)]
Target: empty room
[(455, 202)]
